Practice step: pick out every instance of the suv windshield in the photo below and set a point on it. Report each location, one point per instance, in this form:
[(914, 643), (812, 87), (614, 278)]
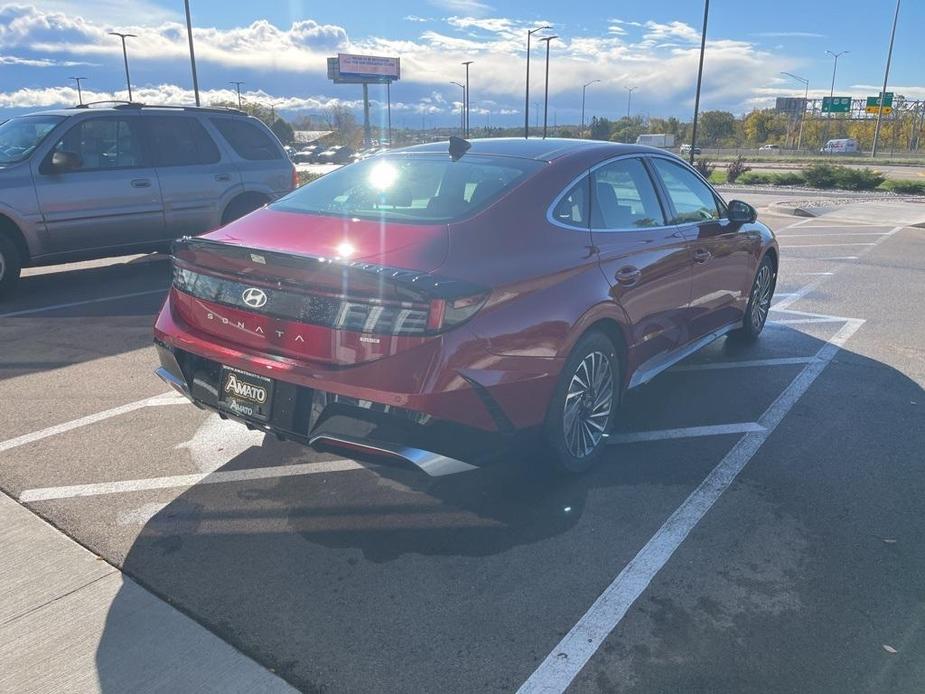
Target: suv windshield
[(20, 136), (410, 188)]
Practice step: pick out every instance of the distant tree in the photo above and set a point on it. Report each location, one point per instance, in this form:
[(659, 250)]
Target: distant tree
[(628, 129), (716, 126), (346, 129), (283, 131), (600, 128), (764, 126)]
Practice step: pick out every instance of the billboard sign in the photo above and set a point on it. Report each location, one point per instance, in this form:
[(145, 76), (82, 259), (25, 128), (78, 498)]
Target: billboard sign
[(836, 104), (793, 106), (370, 68)]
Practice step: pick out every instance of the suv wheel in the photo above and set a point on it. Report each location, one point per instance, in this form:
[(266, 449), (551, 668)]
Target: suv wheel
[(583, 407), (240, 206), (10, 266), (759, 302)]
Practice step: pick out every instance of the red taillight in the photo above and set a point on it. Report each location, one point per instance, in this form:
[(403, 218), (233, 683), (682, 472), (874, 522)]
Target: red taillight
[(447, 313), (295, 177)]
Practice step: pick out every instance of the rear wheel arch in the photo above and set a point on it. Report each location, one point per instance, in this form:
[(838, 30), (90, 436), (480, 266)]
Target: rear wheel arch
[(11, 230), (242, 204)]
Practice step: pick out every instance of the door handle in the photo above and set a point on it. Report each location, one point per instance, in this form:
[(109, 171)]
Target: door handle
[(628, 276), (702, 255), (141, 183), (222, 177)]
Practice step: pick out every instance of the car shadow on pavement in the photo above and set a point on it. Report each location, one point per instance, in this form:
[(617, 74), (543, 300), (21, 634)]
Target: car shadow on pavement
[(369, 577), (35, 340)]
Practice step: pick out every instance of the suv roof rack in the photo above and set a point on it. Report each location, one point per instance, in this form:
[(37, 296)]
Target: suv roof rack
[(121, 103), (228, 110)]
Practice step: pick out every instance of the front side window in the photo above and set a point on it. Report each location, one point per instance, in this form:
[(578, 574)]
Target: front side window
[(20, 136), (104, 143), (573, 208), (410, 188), (248, 139), (179, 141), (692, 199), (624, 197)]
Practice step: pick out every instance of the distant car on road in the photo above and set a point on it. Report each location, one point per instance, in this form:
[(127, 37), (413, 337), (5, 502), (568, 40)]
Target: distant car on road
[(686, 149), (90, 182), (339, 154), (841, 146), (308, 155), (424, 295), (769, 149)]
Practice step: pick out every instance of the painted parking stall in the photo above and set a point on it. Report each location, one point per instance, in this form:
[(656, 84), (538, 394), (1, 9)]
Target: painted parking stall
[(355, 574)]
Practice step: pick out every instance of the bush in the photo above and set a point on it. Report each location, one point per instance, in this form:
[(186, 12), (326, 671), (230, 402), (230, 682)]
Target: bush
[(755, 179), (906, 187), (789, 178), (306, 177), (828, 176), (705, 168), (820, 176), (736, 168)]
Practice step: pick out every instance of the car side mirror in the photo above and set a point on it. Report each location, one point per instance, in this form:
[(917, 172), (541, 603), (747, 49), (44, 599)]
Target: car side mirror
[(741, 212), (64, 161)]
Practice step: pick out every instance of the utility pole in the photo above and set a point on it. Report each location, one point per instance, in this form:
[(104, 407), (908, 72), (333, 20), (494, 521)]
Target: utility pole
[(388, 96), (703, 46), (237, 86), (128, 81), (80, 96), (583, 90), (530, 34), (629, 99), (462, 110), (886, 78), (192, 53), (835, 68), (548, 40), (805, 83), (466, 128)]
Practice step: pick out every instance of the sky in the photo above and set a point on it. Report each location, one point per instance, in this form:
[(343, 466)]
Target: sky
[(278, 48)]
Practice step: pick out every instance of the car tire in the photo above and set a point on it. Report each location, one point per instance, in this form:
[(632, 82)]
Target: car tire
[(10, 266), (583, 407), (241, 206), (759, 302)]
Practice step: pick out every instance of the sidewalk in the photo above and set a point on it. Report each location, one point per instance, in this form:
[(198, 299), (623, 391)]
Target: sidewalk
[(60, 630)]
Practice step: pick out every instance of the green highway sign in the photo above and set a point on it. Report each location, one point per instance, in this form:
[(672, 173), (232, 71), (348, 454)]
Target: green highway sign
[(836, 104), (873, 103)]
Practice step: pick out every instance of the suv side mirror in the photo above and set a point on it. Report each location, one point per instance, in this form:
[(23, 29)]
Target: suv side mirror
[(64, 161), (741, 212)]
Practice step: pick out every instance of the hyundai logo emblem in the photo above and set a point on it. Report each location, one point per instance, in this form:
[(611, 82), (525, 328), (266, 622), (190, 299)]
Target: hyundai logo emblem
[(253, 297)]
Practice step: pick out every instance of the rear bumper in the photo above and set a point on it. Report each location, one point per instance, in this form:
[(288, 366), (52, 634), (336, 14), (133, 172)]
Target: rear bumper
[(451, 378)]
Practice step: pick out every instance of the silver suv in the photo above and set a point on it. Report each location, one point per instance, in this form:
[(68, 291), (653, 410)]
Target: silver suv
[(87, 182)]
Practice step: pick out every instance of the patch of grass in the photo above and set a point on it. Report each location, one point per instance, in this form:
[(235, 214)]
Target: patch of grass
[(787, 178), (307, 177), (905, 187), (718, 177)]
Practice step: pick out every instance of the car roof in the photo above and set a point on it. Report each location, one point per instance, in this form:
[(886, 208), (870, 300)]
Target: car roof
[(123, 107), (547, 150)]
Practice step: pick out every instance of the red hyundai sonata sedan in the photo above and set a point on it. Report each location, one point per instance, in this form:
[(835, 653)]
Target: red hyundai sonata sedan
[(438, 291)]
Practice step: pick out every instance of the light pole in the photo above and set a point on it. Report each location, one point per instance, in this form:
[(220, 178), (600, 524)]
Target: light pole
[(237, 86), (886, 78), (462, 110), (583, 90), (835, 68), (548, 40), (703, 46), (805, 83), (80, 96), (629, 99), (466, 129), (128, 81), (530, 34), (192, 53)]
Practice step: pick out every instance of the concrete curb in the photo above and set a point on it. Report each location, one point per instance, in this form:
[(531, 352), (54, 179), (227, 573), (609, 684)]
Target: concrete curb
[(791, 209)]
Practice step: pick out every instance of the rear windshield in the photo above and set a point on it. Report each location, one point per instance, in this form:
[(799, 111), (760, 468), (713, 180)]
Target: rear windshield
[(20, 136), (247, 138), (409, 188)]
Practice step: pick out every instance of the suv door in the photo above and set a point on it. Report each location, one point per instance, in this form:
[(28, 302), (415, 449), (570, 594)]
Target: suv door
[(195, 182), (110, 199), (646, 261), (719, 248)]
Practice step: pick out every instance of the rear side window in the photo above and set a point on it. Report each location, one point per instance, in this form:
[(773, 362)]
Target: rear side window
[(410, 188), (104, 143), (179, 141), (248, 139), (624, 197), (692, 199), (573, 208)]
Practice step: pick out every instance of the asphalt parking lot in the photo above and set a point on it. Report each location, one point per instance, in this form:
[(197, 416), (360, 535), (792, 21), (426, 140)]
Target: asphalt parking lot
[(756, 527)]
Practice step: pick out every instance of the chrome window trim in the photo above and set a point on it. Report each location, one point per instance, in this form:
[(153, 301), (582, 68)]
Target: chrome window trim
[(635, 155)]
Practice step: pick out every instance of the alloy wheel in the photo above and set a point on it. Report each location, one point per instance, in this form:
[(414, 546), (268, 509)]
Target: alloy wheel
[(761, 297), (588, 404)]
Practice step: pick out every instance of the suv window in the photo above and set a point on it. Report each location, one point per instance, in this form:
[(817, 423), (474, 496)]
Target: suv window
[(692, 199), (572, 208), (179, 141), (20, 136), (248, 139), (104, 143), (624, 197)]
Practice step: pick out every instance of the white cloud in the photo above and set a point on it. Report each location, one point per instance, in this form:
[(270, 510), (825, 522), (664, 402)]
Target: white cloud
[(473, 8), (42, 62)]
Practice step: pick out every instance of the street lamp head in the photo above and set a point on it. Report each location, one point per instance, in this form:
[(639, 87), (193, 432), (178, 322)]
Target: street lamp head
[(542, 28), (123, 36), (547, 39), (802, 80), (458, 84), (467, 62)]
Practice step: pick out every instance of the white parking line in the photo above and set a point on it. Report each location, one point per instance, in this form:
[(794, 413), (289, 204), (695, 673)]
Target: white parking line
[(165, 399), (55, 307), (123, 486), (826, 236), (684, 433), (781, 361), (823, 245), (570, 655)]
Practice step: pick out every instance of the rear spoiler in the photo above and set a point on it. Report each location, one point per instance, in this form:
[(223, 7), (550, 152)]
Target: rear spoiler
[(299, 270)]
